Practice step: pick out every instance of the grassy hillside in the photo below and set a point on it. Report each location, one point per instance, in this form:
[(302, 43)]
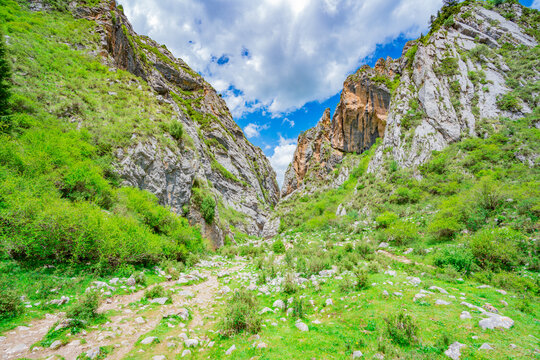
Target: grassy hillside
[(60, 198)]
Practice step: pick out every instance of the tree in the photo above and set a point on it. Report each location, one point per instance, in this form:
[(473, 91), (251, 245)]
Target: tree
[(5, 78)]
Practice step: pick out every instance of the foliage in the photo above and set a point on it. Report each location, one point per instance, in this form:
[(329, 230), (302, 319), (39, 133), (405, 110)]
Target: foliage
[(5, 79), (157, 291), (176, 129), (241, 314), (460, 258), (278, 247), (85, 308), (401, 328), (402, 232), (497, 249), (386, 219), (10, 303)]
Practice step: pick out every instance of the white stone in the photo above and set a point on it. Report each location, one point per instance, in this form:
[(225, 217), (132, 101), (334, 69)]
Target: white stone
[(301, 326), (465, 315), (56, 344), (495, 321), (231, 349), (192, 342), (485, 346), (148, 340), (357, 354), (454, 351), (279, 304), (442, 302)]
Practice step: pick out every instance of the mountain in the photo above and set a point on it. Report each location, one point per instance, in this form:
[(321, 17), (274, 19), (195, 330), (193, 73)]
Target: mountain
[(211, 154), (443, 89)]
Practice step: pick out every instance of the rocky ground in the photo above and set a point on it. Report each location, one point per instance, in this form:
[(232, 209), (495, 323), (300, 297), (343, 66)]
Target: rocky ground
[(338, 321)]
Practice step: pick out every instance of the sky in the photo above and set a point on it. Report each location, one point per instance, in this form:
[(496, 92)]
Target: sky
[(279, 63)]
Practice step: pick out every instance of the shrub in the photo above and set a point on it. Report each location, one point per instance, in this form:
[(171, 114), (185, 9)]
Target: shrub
[(208, 209), (401, 328), (402, 232), (86, 308), (278, 247), (386, 219), (404, 195), (241, 314), (289, 283), (509, 102), (298, 308), (362, 280), (10, 303), (5, 77), (140, 278), (157, 291), (176, 129), (497, 249), (459, 258), (444, 226)]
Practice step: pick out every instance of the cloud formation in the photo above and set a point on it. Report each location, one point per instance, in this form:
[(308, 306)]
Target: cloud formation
[(254, 130), (282, 157), (536, 4), (277, 54)]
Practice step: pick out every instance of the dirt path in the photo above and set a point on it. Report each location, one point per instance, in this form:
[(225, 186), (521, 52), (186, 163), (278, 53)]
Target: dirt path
[(402, 259), (122, 331)]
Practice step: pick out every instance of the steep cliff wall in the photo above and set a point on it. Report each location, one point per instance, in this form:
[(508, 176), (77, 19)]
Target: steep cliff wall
[(202, 148), (359, 119), (435, 94)]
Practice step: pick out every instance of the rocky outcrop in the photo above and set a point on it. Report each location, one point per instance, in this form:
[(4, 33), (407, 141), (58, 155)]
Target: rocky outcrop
[(433, 95), (210, 152), (359, 119), (451, 82)]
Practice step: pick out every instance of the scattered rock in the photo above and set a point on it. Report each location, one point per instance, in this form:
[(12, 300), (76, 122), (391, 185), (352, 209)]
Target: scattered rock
[(442, 302), (55, 345), (495, 321), (160, 301), (93, 353), (261, 346), (301, 326), (192, 342), (149, 340), (357, 354), (131, 282), (485, 346), (186, 353), (454, 350), (439, 289), (329, 302), (384, 245), (140, 320), (231, 349), (465, 315), (265, 310), (279, 304)]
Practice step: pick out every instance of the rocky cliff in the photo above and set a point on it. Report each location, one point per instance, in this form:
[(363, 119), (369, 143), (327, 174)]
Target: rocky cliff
[(202, 154), (440, 90), (360, 118)]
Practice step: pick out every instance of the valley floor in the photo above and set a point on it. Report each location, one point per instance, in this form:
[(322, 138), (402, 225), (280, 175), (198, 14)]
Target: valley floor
[(321, 316)]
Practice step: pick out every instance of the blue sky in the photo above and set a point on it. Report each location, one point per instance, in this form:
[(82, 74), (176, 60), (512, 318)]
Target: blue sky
[(280, 63)]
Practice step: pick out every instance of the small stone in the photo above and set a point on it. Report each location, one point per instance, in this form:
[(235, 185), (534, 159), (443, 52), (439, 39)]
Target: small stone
[(56, 344), (385, 293), (261, 346), (442, 302), (439, 289), (130, 282), (149, 340), (186, 353), (231, 349), (93, 353), (357, 354), (279, 304), (192, 342), (140, 320), (158, 357), (160, 301), (329, 302), (465, 315), (398, 294), (301, 326), (501, 291), (384, 245), (495, 321), (454, 350), (265, 310), (485, 346)]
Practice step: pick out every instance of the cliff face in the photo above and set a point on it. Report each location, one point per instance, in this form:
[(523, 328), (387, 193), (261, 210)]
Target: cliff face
[(359, 119), (435, 94), (208, 151)]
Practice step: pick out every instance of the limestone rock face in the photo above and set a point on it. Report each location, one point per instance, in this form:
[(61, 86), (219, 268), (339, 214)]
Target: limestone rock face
[(360, 116), (359, 119), (212, 154), (435, 94), (437, 101)]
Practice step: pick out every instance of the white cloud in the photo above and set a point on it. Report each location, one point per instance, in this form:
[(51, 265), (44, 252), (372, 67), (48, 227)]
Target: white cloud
[(536, 4), (288, 121), (277, 54), (283, 155), (254, 130)]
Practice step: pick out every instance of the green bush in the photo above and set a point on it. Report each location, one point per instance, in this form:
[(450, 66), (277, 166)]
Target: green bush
[(497, 249), (459, 258), (402, 232), (176, 129), (401, 328), (444, 226), (10, 303), (157, 291), (298, 308), (241, 314), (278, 247), (5, 78), (404, 195), (362, 280), (386, 219), (85, 309), (208, 209), (289, 284), (509, 102)]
